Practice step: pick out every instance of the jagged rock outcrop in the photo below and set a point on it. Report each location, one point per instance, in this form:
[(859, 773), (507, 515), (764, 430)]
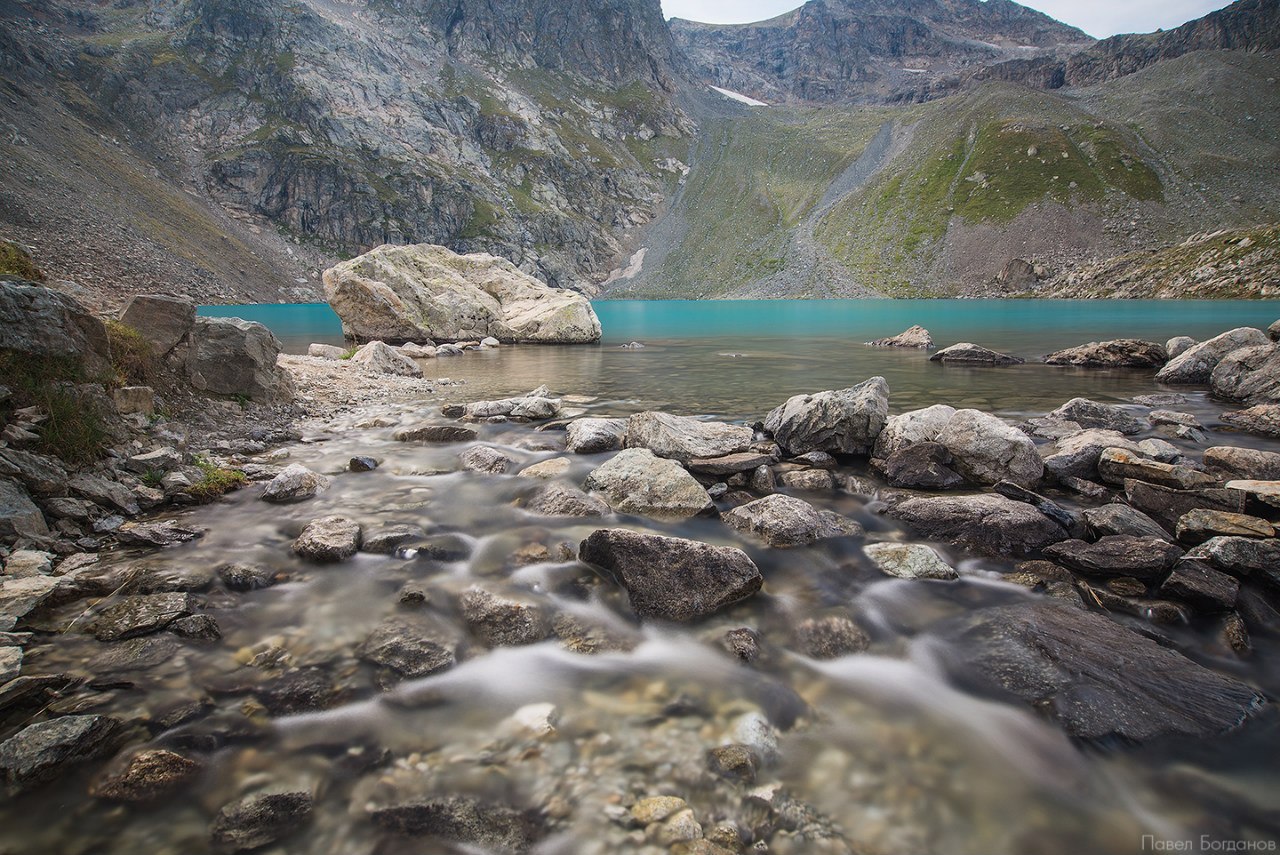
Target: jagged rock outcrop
[(410, 293)]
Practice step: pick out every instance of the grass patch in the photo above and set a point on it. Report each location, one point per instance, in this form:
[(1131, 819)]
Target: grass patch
[(14, 261), (132, 357), (215, 482), (72, 430)]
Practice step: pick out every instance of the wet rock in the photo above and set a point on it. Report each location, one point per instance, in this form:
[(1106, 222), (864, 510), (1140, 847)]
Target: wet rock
[(1240, 556), (1120, 353), (592, 436), (845, 421), (989, 525), (445, 547), (1231, 463), (162, 321), (1263, 420), (1201, 524), (138, 654), (1048, 578), (10, 663), (1096, 678), (482, 458), (435, 433), (28, 562), (147, 776), (735, 762), (44, 751), (830, 637), (1158, 449), (743, 643), (914, 337), (636, 481), (362, 464), (910, 428), (328, 539), (1198, 584), (808, 480), (546, 469), (413, 649), (762, 480), (258, 820), (295, 483), (561, 500), (973, 354), (535, 406), (1116, 465), (671, 578), (230, 356), (1249, 374), (378, 358), (683, 438), (1117, 519), (141, 615), (495, 828), (1148, 558), (502, 621), (785, 521), (156, 534), (196, 628), (730, 464), (985, 450), (109, 494), (299, 690), (389, 539), (1076, 455), (1262, 492), (922, 466), (656, 809), (1167, 506), (909, 561), (589, 636), (1197, 363), (246, 577), (1091, 415), (1179, 345)]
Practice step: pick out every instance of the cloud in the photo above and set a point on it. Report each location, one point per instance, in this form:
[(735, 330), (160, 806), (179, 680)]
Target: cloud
[(1096, 17)]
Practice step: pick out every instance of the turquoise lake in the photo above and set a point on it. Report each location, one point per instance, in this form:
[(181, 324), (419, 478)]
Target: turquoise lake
[(739, 358)]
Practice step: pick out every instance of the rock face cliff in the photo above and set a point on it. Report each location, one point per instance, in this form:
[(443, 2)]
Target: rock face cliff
[(840, 51)]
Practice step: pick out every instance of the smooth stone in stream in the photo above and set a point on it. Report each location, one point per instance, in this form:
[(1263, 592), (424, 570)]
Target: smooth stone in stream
[(1119, 353), (156, 534), (389, 539), (683, 438), (362, 464), (986, 524), (43, 751), (672, 578), (1198, 584), (491, 827), (909, 561), (1094, 677), (1147, 558), (830, 637), (730, 464), (147, 776), (502, 621), (845, 421), (636, 481), (561, 500), (328, 539), (808, 480), (592, 436), (482, 458), (411, 648), (258, 820), (735, 762), (1122, 519), (966, 353), (922, 466), (295, 483), (247, 577), (1091, 415), (1196, 364), (1167, 506), (1231, 463), (435, 433), (546, 469), (1116, 465), (784, 521), (1262, 419), (1243, 557), (136, 616)]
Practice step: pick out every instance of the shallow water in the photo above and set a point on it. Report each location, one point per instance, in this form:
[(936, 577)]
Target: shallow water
[(885, 750)]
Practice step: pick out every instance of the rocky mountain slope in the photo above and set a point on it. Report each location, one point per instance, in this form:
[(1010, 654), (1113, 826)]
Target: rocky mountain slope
[(242, 144)]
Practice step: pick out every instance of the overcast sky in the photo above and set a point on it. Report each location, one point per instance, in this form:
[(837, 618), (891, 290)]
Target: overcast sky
[(1097, 17)]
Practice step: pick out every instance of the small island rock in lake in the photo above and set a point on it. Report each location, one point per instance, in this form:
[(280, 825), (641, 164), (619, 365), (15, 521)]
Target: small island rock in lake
[(412, 293), (917, 337)]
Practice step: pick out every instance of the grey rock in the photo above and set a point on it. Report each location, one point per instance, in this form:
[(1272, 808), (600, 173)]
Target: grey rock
[(1242, 557), (985, 450), (730, 464), (785, 521), (561, 500), (1198, 584), (159, 534), (196, 628), (325, 351), (808, 480), (911, 428), (109, 494), (1197, 363), (493, 828), (973, 354), (1273, 331), (22, 595), (246, 577), (412, 649), (502, 621), (140, 615), (147, 776), (379, 358), (28, 562), (159, 460), (592, 436), (1116, 465), (43, 751), (1231, 463), (1147, 558), (683, 438), (673, 578), (535, 406), (989, 525), (1200, 524), (735, 762), (913, 337), (362, 464), (328, 539), (258, 820), (39, 322), (1261, 419), (390, 538), (845, 421), (1251, 374), (19, 516), (1116, 519), (909, 561), (435, 433), (1097, 679), (635, 481), (922, 466), (1076, 455), (817, 460), (42, 475), (10, 663), (762, 480), (416, 292), (1092, 415), (162, 321), (295, 483), (482, 458), (1167, 506), (830, 637), (1070, 522), (1161, 451), (1120, 353), (743, 643), (1179, 345), (230, 356)]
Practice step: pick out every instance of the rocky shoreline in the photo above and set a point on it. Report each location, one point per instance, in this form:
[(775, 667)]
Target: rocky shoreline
[(1117, 531)]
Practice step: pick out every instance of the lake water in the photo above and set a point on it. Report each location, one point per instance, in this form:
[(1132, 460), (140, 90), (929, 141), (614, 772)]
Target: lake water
[(737, 359)]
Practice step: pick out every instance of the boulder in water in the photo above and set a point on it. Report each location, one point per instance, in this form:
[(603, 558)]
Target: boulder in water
[(683, 438), (1196, 364), (1250, 374), (784, 521), (915, 337), (974, 354), (986, 524), (1120, 353), (380, 358), (844, 421), (636, 481)]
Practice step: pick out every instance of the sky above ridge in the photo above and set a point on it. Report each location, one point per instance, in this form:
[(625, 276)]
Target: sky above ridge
[(1099, 18)]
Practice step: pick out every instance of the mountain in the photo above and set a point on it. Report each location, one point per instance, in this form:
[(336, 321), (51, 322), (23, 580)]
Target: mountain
[(841, 51), (230, 149)]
